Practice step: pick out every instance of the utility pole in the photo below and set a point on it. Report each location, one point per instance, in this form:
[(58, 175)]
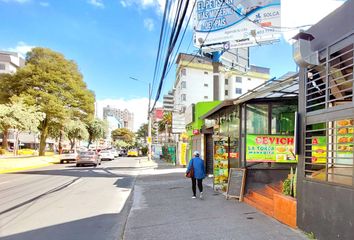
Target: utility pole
[(216, 75), (149, 125), (149, 140)]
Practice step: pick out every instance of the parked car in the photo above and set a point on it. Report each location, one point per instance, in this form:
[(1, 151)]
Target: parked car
[(68, 155), (114, 152), (133, 153), (122, 153), (88, 158), (106, 155)]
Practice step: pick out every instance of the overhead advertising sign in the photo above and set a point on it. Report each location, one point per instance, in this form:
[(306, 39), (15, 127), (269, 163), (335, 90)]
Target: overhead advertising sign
[(236, 23), (178, 123), (270, 148), (189, 114)]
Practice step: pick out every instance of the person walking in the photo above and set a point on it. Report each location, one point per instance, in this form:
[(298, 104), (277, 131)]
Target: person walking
[(199, 173)]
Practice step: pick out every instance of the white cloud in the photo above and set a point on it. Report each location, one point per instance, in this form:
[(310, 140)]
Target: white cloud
[(16, 1), (96, 3), (304, 12), (22, 48), (44, 4), (139, 106), (158, 5), (149, 24)]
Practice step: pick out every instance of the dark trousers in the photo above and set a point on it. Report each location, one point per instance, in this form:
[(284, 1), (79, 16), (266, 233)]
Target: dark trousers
[(200, 185)]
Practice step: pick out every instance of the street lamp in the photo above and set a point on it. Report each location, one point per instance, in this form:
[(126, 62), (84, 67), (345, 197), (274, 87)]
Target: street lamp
[(148, 117)]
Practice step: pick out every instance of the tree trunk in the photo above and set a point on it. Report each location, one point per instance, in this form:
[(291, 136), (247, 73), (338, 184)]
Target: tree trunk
[(43, 137), (5, 144), (72, 143), (61, 134)]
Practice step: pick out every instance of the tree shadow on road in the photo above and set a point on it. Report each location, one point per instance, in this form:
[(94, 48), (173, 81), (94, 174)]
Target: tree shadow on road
[(105, 226)]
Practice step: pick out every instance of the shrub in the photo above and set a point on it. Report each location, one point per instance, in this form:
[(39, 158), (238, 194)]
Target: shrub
[(2, 151)]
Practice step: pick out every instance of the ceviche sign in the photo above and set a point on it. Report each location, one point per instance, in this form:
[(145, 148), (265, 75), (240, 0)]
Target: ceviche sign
[(270, 148), (241, 23)]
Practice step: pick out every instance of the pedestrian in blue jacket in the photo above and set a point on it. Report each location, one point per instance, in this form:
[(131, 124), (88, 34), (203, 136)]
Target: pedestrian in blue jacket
[(199, 173)]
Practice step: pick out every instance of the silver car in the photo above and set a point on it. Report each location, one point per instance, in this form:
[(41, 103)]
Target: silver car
[(88, 158)]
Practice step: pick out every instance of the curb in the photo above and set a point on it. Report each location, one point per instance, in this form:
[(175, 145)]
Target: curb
[(18, 169)]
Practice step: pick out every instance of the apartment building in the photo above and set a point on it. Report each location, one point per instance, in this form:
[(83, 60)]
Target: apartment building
[(125, 117), (10, 62), (194, 81)]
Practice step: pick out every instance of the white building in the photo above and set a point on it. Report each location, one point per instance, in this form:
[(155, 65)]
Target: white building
[(194, 81), (10, 62)]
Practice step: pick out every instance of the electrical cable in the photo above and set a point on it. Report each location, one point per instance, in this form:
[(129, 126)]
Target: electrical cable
[(174, 38)]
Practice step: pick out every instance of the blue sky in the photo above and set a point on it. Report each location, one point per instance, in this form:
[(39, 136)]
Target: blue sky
[(112, 40)]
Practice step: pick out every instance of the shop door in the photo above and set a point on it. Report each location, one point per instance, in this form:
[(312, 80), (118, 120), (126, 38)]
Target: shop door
[(209, 152), (197, 142)]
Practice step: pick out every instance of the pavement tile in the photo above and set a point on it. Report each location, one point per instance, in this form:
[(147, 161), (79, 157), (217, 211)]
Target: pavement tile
[(163, 209)]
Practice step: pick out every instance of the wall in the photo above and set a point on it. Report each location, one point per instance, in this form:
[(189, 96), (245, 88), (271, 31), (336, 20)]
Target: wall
[(326, 210)]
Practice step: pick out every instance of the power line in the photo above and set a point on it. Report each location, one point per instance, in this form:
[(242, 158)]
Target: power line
[(173, 39)]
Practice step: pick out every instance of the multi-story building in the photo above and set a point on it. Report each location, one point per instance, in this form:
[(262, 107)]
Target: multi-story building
[(123, 116), (168, 101), (194, 81), (10, 62)]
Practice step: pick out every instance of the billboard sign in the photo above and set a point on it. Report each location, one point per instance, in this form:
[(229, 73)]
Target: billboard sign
[(237, 23)]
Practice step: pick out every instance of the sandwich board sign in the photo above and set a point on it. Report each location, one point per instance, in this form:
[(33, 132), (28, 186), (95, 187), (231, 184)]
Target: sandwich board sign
[(236, 183)]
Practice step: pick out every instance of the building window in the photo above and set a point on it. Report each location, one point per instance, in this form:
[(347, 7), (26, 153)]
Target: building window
[(238, 90), (205, 85), (239, 79), (183, 97), (184, 72), (226, 81), (2, 66), (206, 73), (226, 92), (257, 119), (205, 97), (184, 84), (283, 119)]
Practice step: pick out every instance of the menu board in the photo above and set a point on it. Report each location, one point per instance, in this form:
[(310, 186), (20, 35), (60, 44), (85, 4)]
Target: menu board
[(319, 149), (270, 148), (345, 133), (221, 165), (236, 183)]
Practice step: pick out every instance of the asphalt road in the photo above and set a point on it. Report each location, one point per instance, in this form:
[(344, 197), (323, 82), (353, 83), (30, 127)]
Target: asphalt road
[(67, 202)]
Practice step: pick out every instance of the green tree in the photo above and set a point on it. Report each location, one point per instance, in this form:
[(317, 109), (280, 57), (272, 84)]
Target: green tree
[(55, 85), (97, 129), (165, 125), (123, 134), (20, 117), (75, 130), (143, 131)]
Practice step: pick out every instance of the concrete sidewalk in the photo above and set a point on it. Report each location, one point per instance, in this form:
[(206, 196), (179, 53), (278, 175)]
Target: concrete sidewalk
[(162, 208), (13, 164)]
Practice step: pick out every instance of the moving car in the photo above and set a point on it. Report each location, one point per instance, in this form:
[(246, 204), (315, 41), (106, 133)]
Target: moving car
[(68, 155), (133, 153), (88, 158), (122, 153), (106, 155)]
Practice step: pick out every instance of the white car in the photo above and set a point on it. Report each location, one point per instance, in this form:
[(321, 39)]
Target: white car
[(106, 155), (68, 155), (114, 152)]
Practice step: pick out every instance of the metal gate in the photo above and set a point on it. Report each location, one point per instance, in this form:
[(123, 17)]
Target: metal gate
[(209, 152)]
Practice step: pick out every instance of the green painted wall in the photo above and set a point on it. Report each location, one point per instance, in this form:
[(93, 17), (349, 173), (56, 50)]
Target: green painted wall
[(200, 109)]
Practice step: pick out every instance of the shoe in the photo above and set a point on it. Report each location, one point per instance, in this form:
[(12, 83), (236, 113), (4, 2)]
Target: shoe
[(194, 197), (201, 195)]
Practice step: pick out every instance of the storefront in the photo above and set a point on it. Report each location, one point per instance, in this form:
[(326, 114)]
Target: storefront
[(196, 136), (256, 132), (326, 107)]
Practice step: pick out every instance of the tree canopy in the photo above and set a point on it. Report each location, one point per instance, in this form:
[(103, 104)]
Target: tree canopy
[(96, 129), (53, 84), (123, 134), (75, 130)]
